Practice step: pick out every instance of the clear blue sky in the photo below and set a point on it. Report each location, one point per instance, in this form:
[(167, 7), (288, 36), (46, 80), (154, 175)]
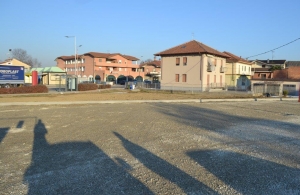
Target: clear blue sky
[(144, 27)]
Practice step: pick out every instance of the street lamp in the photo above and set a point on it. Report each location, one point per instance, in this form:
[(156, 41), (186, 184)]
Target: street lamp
[(79, 58), (75, 51)]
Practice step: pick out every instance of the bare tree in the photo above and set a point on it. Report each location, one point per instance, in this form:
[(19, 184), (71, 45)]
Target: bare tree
[(21, 54), (146, 61)]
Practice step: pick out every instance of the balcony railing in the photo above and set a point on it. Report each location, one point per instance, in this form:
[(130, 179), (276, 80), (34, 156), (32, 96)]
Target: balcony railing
[(210, 68), (154, 73), (223, 69)]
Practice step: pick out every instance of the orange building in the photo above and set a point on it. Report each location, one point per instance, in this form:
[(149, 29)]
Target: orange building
[(96, 67)]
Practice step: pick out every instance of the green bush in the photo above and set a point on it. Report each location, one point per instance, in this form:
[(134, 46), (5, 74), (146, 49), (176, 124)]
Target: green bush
[(285, 93), (25, 89)]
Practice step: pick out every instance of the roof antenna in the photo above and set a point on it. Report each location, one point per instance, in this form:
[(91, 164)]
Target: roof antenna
[(193, 36)]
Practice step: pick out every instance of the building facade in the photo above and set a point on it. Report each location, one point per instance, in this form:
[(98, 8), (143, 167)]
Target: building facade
[(97, 67), (287, 79), (238, 72), (192, 66), (151, 70)]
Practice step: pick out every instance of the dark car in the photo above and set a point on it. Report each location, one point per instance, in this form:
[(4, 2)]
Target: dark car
[(122, 82)]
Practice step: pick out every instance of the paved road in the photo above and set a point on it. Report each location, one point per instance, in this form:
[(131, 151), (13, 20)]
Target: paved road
[(151, 148)]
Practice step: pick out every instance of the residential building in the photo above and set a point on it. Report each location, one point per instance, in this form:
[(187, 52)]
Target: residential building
[(192, 66), (263, 69), (268, 63), (287, 79), (292, 63), (15, 62), (151, 70), (94, 66), (238, 72)]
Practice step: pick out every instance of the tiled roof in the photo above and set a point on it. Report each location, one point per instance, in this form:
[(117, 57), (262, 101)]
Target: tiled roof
[(273, 61), (156, 63), (100, 55), (292, 63), (130, 57), (234, 58), (110, 55), (191, 47), (65, 57)]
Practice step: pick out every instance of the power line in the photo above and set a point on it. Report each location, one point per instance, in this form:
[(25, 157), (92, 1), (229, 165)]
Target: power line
[(274, 49)]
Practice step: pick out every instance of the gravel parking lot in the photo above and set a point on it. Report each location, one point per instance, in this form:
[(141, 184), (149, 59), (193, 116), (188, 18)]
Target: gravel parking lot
[(151, 148)]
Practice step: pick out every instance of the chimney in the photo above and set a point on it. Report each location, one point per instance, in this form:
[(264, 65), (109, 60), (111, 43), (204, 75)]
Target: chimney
[(154, 58), (268, 61)]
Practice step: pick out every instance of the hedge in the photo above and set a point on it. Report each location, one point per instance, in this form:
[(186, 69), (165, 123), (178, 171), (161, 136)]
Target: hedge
[(91, 86), (25, 89)]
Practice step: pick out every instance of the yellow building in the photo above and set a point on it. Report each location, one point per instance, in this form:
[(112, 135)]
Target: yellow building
[(238, 72)]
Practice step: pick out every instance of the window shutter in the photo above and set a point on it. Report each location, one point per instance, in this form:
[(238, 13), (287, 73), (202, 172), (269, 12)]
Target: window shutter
[(184, 60)]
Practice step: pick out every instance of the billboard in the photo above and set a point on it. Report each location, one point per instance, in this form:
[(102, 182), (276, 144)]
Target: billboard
[(11, 74)]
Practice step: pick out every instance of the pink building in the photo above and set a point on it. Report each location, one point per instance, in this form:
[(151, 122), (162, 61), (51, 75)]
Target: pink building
[(94, 66), (152, 70)]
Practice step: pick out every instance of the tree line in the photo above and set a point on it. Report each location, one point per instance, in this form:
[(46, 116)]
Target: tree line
[(23, 56)]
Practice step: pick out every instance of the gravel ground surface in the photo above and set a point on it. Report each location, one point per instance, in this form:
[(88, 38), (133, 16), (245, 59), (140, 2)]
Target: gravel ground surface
[(151, 148)]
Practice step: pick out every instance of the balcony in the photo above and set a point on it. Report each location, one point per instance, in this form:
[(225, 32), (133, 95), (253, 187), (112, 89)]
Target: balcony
[(154, 73), (210, 68), (223, 69)]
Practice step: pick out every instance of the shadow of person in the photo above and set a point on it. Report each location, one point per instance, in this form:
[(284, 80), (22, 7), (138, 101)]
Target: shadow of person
[(247, 174), (3, 132), (166, 170), (75, 168)]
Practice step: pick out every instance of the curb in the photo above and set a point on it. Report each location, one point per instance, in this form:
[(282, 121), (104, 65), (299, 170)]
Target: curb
[(146, 101)]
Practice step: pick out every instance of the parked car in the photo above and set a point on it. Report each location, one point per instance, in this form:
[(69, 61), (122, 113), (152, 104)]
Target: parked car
[(122, 82)]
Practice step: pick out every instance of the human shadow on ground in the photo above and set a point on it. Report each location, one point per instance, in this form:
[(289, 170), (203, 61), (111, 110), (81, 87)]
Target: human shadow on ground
[(3, 132), (164, 169), (75, 168), (247, 174), (223, 128)]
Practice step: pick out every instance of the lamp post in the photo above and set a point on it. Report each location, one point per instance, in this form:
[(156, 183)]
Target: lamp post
[(79, 69), (75, 52)]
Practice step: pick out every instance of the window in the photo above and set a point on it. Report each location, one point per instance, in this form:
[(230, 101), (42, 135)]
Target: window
[(100, 60), (184, 61), (263, 76), (176, 77), (177, 61), (184, 78)]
